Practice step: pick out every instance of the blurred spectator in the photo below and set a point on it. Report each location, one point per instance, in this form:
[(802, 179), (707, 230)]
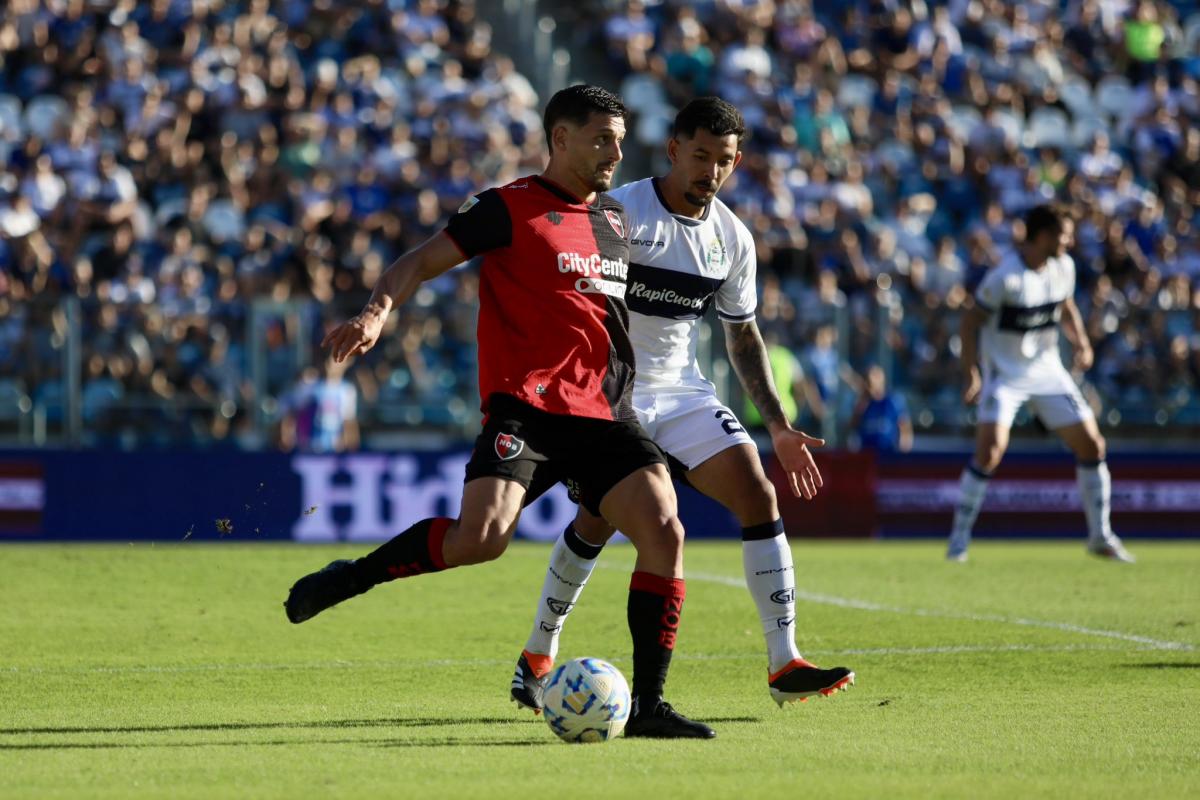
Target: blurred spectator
[(321, 412), (796, 391), (881, 417)]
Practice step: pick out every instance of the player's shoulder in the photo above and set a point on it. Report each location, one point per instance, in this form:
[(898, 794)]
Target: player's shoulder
[(631, 193), (731, 226), (520, 186)]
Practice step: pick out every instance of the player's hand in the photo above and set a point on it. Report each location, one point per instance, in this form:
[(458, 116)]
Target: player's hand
[(972, 384), (791, 448), (355, 336), (1084, 356)]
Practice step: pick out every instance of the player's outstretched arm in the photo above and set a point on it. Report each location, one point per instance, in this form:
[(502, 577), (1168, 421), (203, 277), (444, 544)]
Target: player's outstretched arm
[(359, 334), (1076, 333), (968, 332), (748, 354)]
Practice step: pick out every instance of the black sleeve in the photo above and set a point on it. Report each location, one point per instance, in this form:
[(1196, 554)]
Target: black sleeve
[(482, 224)]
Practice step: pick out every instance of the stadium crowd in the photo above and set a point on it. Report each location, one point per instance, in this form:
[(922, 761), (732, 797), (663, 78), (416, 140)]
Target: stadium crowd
[(203, 174)]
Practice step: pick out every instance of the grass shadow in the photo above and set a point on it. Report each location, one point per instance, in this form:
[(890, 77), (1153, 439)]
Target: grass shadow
[(392, 722), (440, 742), (1166, 665)]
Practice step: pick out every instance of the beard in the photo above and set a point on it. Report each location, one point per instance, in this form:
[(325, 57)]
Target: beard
[(599, 180), (701, 199)]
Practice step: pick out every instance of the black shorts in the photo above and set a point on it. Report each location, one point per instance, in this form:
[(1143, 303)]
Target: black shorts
[(538, 450)]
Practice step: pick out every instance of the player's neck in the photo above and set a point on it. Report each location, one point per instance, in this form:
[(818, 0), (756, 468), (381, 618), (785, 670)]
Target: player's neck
[(1030, 259), (566, 181), (676, 201)]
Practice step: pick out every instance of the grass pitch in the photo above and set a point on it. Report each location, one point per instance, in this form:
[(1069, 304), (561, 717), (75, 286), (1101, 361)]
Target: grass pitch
[(156, 671)]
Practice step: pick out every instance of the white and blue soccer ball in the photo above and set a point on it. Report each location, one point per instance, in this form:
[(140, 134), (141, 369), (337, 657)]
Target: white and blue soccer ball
[(586, 700)]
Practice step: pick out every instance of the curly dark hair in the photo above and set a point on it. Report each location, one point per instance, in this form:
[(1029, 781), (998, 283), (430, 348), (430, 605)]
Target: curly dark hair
[(713, 115), (576, 103), (1043, 218)]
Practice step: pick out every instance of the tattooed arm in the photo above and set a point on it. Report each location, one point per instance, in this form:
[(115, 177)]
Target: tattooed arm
[(748, 354)]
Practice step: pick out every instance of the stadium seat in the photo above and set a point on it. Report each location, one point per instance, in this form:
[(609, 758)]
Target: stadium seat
[(45, 114), (1048, 127), (12, 128), (169, 210), (1085, 129), (1191, 35), (1013, 125), (963, 120), (856, 91), (1114, 96), (224, 221), (1076, 94), (14, 403)]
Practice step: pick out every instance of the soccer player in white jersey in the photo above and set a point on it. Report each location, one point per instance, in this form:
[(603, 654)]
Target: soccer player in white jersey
[(687, 251), (1018, 308)]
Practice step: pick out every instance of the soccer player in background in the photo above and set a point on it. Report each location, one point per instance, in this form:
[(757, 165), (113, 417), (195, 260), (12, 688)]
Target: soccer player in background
[(1018, 308), (688, 251), (556, 380)]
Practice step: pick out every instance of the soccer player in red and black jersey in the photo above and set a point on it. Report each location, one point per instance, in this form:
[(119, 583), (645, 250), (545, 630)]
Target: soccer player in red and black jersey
[(556, 379)]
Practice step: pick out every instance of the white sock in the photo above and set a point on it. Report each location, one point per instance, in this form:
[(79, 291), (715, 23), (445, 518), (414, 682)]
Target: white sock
[(972, 487), (1095, 491), (571, 563), (772, 583)]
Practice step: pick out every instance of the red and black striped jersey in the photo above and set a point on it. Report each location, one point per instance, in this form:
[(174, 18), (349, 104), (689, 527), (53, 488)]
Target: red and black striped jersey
[(553, 327)]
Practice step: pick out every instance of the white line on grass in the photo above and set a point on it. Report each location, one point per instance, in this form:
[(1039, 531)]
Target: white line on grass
[(865, 605), (487, 662)]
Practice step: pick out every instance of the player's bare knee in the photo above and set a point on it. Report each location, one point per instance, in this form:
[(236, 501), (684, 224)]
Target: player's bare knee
[(482, 541), (762, 500), (988, 456)]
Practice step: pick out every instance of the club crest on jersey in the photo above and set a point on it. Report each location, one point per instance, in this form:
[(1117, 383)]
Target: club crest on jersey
[(508, 446), (714, 257), (614, 219)]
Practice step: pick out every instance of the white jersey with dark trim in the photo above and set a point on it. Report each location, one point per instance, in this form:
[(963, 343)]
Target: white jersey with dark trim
[(678, 266), (1019, 342)]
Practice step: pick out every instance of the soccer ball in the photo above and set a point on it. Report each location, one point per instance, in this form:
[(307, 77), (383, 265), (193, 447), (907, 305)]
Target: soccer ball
[(586, 700)]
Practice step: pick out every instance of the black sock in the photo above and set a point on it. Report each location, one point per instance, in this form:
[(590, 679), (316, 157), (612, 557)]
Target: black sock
[(655, 606), (413, 552)]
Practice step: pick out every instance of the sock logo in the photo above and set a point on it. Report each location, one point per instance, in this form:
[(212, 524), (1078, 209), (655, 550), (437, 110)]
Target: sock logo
[(669, 622), (773, 570), (551, 628), (783, 596), (561, 579), (783, 621), (508, 446), (559, 607)]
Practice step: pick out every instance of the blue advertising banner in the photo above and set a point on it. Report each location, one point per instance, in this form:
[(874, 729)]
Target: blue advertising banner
[(369, 497), (359, 497)]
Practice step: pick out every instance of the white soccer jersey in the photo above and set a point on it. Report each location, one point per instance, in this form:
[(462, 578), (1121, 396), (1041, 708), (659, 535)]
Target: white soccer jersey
[(677, 267), (1019, 343)]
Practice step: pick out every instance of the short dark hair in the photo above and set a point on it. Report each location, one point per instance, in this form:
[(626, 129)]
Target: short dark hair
[(1042, 218), (576, 103), (713, 115)]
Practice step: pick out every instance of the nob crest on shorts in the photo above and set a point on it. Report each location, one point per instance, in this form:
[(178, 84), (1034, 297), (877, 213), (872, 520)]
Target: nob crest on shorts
[(508, 446)]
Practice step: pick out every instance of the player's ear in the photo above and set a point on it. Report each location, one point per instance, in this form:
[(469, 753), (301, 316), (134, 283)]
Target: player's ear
[(558, 137), (672, 149), (737, 159)]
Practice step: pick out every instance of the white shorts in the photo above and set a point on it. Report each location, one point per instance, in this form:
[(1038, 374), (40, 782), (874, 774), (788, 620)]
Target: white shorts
[(688, 422), (1057, 402)]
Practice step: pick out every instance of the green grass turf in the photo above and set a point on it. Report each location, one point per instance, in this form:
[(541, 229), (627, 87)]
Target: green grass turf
[(155, 671)]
